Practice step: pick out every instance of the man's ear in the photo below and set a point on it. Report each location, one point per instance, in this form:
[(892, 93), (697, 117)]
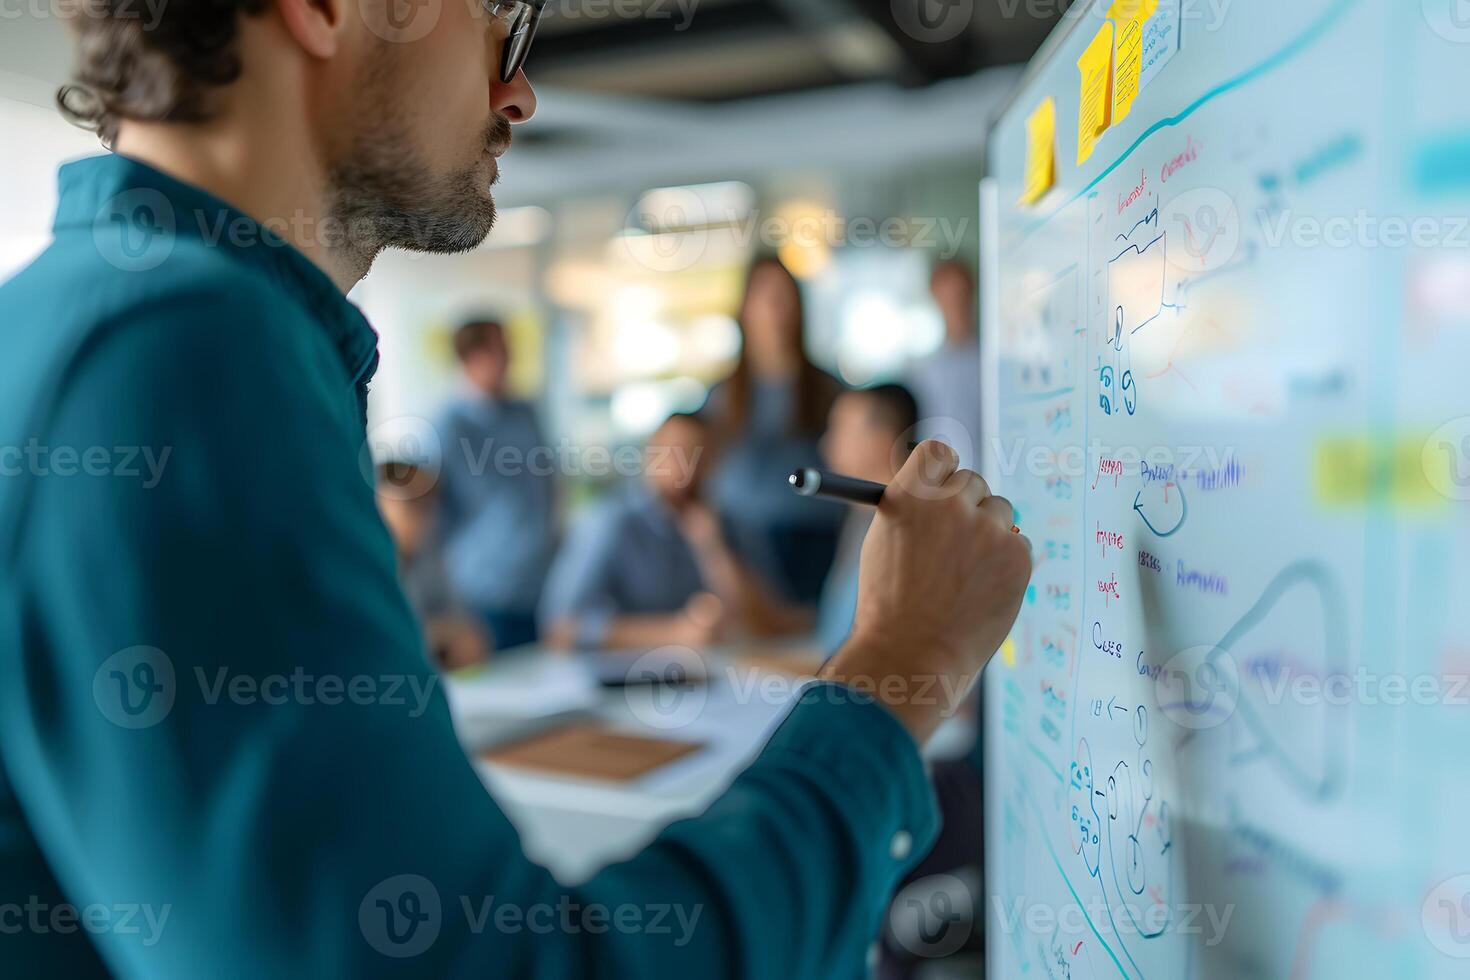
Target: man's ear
[(317, 25)]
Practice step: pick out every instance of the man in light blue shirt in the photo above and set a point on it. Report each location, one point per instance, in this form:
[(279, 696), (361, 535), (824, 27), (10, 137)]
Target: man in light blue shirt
[(498, 488), (947, 382)]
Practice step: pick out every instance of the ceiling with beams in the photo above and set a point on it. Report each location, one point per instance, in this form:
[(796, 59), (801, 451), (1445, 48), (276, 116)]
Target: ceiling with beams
[(721, 50)]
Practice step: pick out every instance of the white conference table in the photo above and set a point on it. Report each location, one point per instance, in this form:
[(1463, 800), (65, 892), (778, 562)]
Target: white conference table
[(574, 826)]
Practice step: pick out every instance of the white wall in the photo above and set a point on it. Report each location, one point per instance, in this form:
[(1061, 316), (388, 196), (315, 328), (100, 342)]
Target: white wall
[(35, 56), (37, 142)]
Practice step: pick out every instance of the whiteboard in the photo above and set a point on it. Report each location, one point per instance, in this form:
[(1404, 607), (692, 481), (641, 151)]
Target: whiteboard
[(1227, 364)]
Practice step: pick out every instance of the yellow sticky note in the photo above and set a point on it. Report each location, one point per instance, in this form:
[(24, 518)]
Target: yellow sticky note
[(1095, 114), (1128, 16), (1342, 471), (1358, 471), (1132, 9), (1041, 154)]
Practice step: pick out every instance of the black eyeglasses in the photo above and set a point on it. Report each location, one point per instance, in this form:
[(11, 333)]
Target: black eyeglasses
[(520, 18)]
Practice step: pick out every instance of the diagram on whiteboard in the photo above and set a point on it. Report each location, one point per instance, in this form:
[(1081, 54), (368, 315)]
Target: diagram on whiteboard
[(1217, 416)]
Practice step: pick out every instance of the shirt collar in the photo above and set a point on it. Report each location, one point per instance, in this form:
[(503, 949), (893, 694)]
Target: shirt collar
[(95, 188)]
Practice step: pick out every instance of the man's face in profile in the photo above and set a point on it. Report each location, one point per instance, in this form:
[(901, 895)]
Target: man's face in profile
[(415, 149)]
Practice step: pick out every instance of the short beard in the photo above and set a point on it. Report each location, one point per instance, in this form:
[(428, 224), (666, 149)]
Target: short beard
[(382, 194)]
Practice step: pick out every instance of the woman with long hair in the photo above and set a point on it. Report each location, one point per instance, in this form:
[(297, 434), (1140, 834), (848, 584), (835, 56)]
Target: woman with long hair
[(769, 415)]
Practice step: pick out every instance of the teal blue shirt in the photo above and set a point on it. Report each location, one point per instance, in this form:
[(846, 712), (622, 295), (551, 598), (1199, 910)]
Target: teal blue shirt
[(222, 752)]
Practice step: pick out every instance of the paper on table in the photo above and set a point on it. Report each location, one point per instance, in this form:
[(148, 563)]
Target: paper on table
[(1095, 112), (554, 687), (1041, 154)]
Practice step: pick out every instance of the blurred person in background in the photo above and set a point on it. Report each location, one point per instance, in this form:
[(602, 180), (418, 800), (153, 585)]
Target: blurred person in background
[(408, 498), (768, 416), (649, 566), (947, 382), (867, 437), (499, 491)]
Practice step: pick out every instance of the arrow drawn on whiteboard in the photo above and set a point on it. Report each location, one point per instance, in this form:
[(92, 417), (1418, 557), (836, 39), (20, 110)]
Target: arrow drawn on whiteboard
[(1183, 513)]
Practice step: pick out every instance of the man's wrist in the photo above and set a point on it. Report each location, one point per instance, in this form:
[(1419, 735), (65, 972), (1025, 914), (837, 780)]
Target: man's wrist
[(866, 663)]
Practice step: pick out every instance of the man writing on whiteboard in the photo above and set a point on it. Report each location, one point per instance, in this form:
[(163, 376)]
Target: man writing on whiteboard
[(159, 748)]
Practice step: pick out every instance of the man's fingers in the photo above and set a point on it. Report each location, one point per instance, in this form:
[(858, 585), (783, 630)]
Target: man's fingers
[(1001, 510), (969, 486), (928, 469)]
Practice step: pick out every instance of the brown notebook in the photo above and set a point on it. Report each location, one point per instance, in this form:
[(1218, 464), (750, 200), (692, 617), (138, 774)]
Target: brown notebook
[(591, 752)]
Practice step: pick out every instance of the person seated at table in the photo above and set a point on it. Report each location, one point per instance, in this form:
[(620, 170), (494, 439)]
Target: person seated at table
[(408, 499), (650, 567), (868, 433)]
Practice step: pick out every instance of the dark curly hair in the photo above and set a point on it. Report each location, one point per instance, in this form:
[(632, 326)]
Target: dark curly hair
[(164, 71)]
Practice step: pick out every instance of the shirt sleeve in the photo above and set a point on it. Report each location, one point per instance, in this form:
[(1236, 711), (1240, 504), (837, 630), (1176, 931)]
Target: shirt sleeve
[(220, 709)]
